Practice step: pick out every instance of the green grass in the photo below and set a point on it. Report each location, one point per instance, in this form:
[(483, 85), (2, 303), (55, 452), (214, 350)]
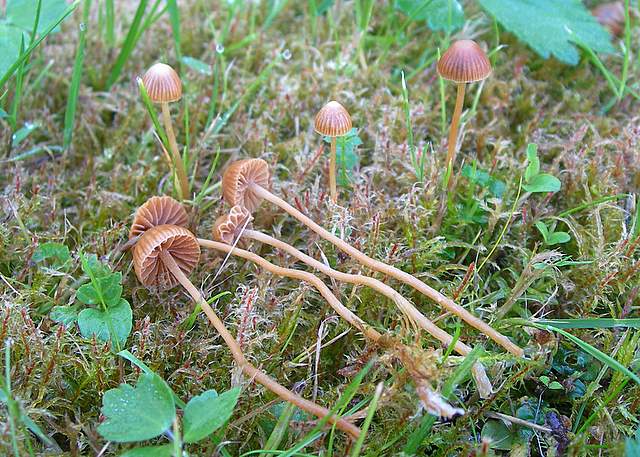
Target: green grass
[(78, 155)]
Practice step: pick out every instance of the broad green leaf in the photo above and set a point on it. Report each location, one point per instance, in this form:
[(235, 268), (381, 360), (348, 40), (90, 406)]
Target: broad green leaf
[(137, 413), (10, 38), (197, 65), (632, 445), (88, 294), (498, 435), (22, 13), (547, 26), (111, 288), (346, 156), (542, 228), (65, 315), (558, 238), (533, 168), (165, 450), (117, 318), (92, 266), (57, 253), (484, 179), (543, 182), (207, 412), (446, 15)]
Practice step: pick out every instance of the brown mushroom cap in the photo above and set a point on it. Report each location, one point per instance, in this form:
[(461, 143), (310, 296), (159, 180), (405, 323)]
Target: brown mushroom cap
[(228, 226), (237, 180), (611, 16), (179, 242), (464, 62), (158, 211), (333, 120), (162, 84)]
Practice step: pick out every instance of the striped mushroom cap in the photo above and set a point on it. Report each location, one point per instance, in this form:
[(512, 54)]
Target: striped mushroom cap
[(464, 62), (333, 120), (158, 211), (237, 181), (228, 227), (162, 84), (178, 242)]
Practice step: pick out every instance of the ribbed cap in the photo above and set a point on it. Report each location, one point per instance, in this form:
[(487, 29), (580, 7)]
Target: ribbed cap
[(333, 120), (158, 211), (464, 62), (227, 227), (162, 84), (179, 242), (237, 181)]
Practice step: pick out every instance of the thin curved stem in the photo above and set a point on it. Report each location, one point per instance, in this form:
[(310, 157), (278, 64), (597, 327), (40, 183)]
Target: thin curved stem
[(238, 356), (332, 170), (484, 385), (394, 272), (453, 130), (181, 173)]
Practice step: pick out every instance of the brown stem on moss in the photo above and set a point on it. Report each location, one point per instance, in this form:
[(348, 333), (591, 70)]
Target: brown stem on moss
[(242, 362), (183, 181), (394, 272), (482, 381), (453, 132), (332, 170)]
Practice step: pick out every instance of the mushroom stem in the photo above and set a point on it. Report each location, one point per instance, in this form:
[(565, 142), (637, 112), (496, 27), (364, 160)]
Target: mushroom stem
[(482, 381), (238, 356), (178, 164), (453, 131), (332, 170), (394, 272)]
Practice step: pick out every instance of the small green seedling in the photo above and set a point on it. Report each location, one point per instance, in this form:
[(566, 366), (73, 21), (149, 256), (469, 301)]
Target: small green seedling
[(148, 410), (536, 182), (553, 385), (550, 236), (107, 315), (346, 155)]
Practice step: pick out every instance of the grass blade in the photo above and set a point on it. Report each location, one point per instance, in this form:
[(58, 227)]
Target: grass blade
[(373, 406), (591, 323)]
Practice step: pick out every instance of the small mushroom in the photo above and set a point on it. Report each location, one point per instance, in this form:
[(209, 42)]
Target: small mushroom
[(333, 120), (241, 186), (231, 228), (464, 62), (611, 16), (162, 257), (163, 85), (158, 211)]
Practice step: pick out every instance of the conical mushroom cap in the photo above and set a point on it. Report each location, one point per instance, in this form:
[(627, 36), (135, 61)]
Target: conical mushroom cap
[(179, 242), (611, 15), (237, 181), (464, 62), (333, 120), (228, 226), (158, 211), (162, 84)]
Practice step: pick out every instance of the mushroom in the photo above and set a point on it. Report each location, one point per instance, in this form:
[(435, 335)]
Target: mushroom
[(611, 16), (162, 257), (244, 183), (232, 227), (464, 62), (158, 211), (333, 120), (163, 85)]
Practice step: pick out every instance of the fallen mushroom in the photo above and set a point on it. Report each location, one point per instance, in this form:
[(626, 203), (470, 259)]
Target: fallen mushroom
[(163, 85), (162, 257), (333, 120), (464, 62), (244, 183), (234, 226)]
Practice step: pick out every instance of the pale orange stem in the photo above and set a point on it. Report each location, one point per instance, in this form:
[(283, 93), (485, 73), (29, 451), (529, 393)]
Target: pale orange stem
[(332, 170), (453, 130), (242, 362), (394, 272)]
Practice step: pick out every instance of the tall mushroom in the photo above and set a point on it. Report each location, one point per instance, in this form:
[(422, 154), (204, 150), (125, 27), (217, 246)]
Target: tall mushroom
[(464, 62), (162, 257), (163, 85), (244, 183), (333, 120), (233, 227)]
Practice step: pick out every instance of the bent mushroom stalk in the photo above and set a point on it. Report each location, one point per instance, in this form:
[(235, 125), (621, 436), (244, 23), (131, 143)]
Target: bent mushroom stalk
[(245, 183), (162, 257), (164, 86), (464, 62), (229, 229)]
